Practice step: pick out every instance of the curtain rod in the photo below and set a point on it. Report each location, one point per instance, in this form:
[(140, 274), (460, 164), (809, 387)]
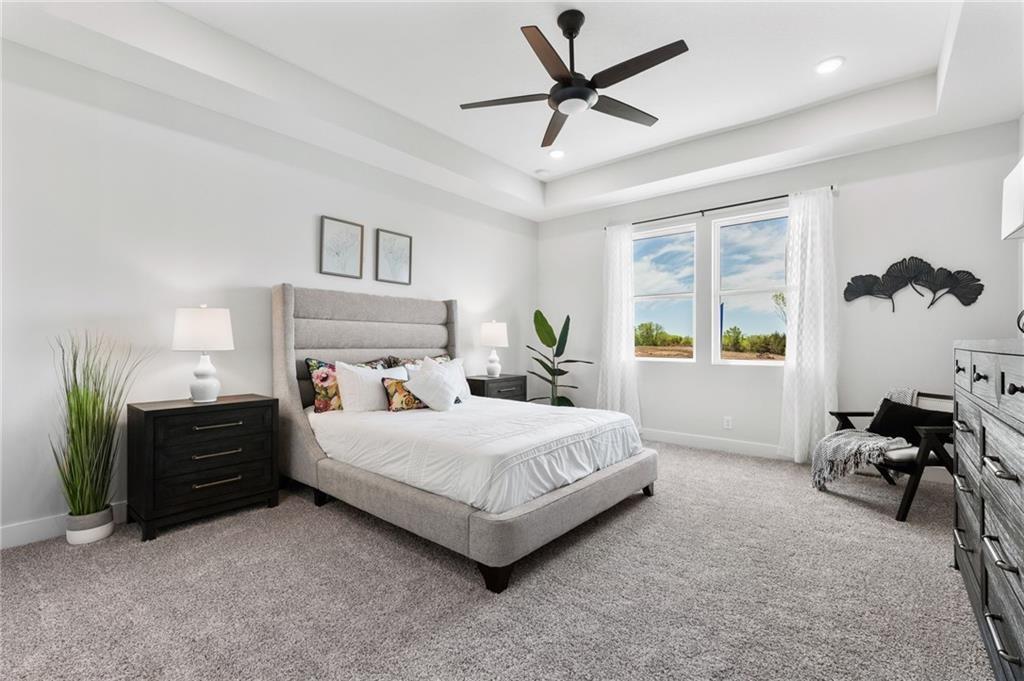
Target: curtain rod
[(709, 210)]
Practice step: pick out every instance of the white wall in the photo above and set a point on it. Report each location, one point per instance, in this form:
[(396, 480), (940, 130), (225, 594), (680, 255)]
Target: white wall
[(111, 221), (938, 199)]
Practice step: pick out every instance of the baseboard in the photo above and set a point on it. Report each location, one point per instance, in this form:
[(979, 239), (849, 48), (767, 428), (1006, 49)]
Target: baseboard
[(724, 444), (39, 529)]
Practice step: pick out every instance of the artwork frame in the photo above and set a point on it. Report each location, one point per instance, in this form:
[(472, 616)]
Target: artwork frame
[(393, 261), (337, 253)]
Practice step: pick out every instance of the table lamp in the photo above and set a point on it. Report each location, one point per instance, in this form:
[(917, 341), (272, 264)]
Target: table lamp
[(495, 335), (203, 329)]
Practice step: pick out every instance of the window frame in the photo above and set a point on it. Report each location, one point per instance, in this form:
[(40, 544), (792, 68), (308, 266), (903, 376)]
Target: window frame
[(716, 283), (669, 230)]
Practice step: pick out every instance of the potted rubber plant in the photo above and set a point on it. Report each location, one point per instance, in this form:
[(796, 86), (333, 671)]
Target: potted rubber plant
[(95, 374), (551, 362)]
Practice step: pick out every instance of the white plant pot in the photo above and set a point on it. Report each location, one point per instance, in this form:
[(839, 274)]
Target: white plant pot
[(85, 529)]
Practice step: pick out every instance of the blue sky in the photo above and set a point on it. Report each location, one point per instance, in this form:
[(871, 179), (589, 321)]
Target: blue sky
[(753, 256)]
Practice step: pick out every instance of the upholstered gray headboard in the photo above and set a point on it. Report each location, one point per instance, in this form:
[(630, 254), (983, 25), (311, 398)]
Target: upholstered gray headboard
[(351, 327)]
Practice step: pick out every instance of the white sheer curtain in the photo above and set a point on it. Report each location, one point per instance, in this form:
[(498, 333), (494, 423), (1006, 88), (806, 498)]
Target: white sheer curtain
[(809, 379), (616, 381)]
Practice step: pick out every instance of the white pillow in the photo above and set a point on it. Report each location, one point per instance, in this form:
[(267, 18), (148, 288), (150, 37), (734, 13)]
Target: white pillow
[(432, 388), (452, 372), (361, 388)]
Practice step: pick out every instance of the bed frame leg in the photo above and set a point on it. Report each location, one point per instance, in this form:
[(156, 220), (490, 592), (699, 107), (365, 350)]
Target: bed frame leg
[(649, 490), (320, 498), (496, 578)]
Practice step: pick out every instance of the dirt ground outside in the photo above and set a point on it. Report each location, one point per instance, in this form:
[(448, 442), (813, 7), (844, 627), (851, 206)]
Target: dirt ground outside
[(686, 352)]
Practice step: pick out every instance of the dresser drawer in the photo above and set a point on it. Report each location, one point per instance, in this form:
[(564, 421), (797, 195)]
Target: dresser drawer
[(967, 535), (968, 430), (1004, 621), (512, 389), (962, 369), (1003, 466), (984, 377), (209, 454), (967, 480), (1003, 545), (1011, 386), (219, 483), (212, 425)]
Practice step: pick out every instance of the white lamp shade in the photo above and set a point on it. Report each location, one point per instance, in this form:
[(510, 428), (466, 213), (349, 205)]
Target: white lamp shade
[(202, 328), (494, 335)]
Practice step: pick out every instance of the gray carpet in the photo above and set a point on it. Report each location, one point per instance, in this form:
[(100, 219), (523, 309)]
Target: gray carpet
[(735, 569)]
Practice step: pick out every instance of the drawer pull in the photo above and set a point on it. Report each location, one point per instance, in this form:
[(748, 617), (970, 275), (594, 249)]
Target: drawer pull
[(995, 465), (225, 481), (960, 542), (213, 455), (958, 479), (958, 367), (232, 424), (996, 553), (990, 620), (508, 390), (962, 426), (1013, 389), (980, 377)]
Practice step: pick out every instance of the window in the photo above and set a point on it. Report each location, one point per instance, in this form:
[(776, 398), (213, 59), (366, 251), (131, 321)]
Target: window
[(663, 287), (750, 288)]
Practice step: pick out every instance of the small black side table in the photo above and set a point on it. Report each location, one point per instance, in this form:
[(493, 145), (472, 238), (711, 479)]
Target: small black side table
[(188, 460), (505, 387)]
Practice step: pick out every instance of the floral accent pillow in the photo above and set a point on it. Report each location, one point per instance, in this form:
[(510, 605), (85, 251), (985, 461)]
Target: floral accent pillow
[(399, 397), (326, 396)]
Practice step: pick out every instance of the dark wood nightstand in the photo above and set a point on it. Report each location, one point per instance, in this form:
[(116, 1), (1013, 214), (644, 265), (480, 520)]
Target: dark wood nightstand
[(188, 460), (505, 387)]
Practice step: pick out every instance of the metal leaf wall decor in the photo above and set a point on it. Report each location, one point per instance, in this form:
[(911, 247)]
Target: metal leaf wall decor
[(918, 274)]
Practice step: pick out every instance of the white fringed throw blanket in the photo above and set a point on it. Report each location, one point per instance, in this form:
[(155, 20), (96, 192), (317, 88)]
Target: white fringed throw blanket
[(842, 452)]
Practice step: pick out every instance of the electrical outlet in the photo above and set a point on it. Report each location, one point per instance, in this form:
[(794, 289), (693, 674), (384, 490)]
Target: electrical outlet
[(727, 422)]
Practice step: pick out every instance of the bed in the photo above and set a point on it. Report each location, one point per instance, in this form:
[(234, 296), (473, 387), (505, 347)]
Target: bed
[(356, 327)]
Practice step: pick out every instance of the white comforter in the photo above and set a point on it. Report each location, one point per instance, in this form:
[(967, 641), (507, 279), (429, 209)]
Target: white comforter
[(491, 454)]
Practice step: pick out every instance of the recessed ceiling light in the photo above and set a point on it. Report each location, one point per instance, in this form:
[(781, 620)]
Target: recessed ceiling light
[(556, 153), (830, 65)]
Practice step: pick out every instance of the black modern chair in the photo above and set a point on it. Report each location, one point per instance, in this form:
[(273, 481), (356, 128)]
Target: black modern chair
[(912, 461)]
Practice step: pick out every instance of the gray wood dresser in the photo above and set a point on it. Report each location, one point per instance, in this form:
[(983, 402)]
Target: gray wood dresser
[(989, 514)]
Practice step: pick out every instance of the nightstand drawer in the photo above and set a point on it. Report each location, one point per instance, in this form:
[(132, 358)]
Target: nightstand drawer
[(212, 425), (511, 389), (203, 456), (218, 483)]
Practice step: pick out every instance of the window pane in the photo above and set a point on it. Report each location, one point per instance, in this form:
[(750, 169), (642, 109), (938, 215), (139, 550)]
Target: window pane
[(753, 326), (664, 328), (753, 254), (663, 264)]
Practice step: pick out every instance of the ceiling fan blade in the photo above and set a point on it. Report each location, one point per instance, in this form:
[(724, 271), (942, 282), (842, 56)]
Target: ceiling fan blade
[(614, 107), (506, 100), (556, 68), (631, 67), (554, 127)]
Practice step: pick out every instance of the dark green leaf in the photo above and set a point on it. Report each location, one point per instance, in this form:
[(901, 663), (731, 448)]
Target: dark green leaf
[(574, 361), (563, 401), (552, 371), (543, 378), (563, 337), (544, 331), (574, 387)]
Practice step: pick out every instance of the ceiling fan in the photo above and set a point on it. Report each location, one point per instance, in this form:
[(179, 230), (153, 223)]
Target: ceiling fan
[(572, 92)]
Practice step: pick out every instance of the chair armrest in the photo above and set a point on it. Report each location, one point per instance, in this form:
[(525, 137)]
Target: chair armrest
[(837, 414), (940, 433)]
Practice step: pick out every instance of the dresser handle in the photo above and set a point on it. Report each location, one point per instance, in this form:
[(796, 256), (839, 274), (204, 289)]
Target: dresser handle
[(1013, 389), (996, 466), (990, 620), (958, 367), (219, 425), (996, 553), (213, 455), (980, 377), (216, 482), (960, 542), (962, 426), (958, 479)]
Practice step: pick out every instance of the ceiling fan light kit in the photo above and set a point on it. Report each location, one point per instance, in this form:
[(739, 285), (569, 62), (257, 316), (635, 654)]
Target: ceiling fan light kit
[(573, 93)]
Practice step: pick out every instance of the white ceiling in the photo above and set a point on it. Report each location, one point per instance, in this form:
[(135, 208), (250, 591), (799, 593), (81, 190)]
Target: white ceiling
[(747, 62)]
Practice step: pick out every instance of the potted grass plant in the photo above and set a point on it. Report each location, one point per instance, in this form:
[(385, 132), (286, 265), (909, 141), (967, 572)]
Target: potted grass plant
[(95, 375)]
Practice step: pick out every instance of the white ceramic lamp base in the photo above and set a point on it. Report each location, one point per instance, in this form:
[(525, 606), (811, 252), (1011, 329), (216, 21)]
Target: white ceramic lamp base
[(493, 365), (206, 387)]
